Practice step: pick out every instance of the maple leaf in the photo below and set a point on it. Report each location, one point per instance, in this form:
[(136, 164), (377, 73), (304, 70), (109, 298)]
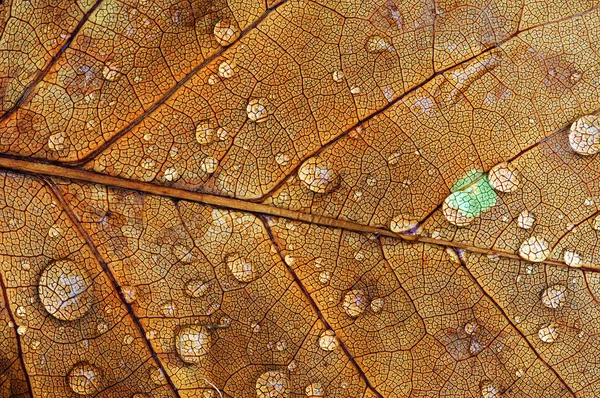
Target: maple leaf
[(299, 198)]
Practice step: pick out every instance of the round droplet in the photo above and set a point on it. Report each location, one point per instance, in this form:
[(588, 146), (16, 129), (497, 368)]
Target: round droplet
[(205, 133), (402, 223), (584, 136), (548, 333), (21, 312), (328, 341), (226, 69), (192, 343), (504, 177), (65, 290), (110, 72), (241, 269), (257, 110), (460, 208), (128, 339), (147, 164), (21, 330), (318, 175), (57, 142), (209, 165), (226, 32), (212, 80), (377, 305), (355, 302), (282, 159), (314, 390), (488, 390), (171, 174), (168, 308), (196, 288), (129, 293), (572, 259), (338, 76), (554, 296), (272, 384), (324, 277), (526, 219), (534, 249), (470, 328), (84, 379), (377, 44)]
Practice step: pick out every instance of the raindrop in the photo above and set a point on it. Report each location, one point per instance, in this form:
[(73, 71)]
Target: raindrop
[(534, 249), (282, 159), (526, 219), (596, 223), (318, 175), (355, 90), (272, 384), (328, 341), (21, 312), (110, 72), (338, 76), (196, 288), (209, 165), (127, 339), (470, 328), (572, 259), (205, 133), (548, 333), (241, 269), (504, 177), (377, 44), (355, 302), (489, 390), (226, 69), (554, 296), (65, 290), (324, 277), (377, 305), (257, 110), (21, 330), (192, 343), (129, 293), (226, 32), (84, 379), (171, 174), (584, 136)]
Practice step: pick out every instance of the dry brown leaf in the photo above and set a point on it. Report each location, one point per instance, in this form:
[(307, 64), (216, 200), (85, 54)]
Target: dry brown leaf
[(210, 198)]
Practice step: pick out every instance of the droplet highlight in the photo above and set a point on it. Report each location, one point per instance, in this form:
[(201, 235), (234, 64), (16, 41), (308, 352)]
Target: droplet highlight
[(504, 177), (257, 110), (534, 249), (354, 303), (548, 333), (318, 175), (328, 341), (584, 136), (192, 343), (554, 296), (241, 269), (226, 32)]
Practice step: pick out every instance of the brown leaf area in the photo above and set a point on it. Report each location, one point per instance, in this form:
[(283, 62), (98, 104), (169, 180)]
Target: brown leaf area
[(205, 198)]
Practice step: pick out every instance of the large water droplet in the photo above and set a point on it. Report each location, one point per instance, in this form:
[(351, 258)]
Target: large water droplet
[(526, 219), (471, 195), (272, 384), (65, 290), (84, 379), (403, 222), (318, 175), (355, 302), (226, 69), (584, 136), (241, 269), (572, 259), (129, 293), (504, 177), (534, 249), (193, 343)]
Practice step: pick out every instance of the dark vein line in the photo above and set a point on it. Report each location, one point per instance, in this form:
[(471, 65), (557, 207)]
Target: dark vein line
[(505, 315), (42, 73), (18, 338), (316, 308), (116, 287)]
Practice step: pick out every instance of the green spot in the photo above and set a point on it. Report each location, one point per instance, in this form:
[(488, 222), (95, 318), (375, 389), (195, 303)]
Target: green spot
[(472, 194)]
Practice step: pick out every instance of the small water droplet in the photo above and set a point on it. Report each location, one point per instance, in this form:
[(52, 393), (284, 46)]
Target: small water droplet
[(489, 390), (519, 373), (572, 259), (318, 175), (21, 330), (168, 308), (534, 249), (377, 44), (314, 390), (147, 164), (205, 133), (324, 277), (554, 296), (54, 231), (548, 333), (212, 80), (84, 379), (102, 327), (209, 165), (57, 142), (128, 339), (584, 136), (129, 293), (596, 223), (21, 312), (226, 69), (257, 110), (504, 177), (282, 159), (272, 384), (110, 72), (403, 223), (377, 304), (192, 343), (394, 158), (338, 76), (292, 366), (355, 90), (354, 303), (328, 341), (241, 269), (526, 219), (226, 32), (171, 174)]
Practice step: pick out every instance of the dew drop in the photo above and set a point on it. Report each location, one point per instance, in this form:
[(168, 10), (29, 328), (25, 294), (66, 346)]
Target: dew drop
[(324, 277), (377, 44), (147, 164), (226, 69), (403, 223), (470, 328), (35, 344), (572, 259), (205, 133), (338, 76), (292, 366), (84, 379), (457, 208), (212, 80), (127, 339), (102, 327), (168, 308), (534, 249), (171, 174), (355, 90), (192, 343), (65, 290), (241, 269), (110, 72), (21, 330), (196, 288), (584, 136), (526, 219), (377, 305), (272, 384), (129, 293), (394, 158), (209, 165), (226, 32), (355, 302), (588, 202), (257, 110), (54, 231), (57, 142), (504, 177), (328, 341), (548, 333), (21, 312), (282, 159), (314, 390), (554, 296), (318, 175)]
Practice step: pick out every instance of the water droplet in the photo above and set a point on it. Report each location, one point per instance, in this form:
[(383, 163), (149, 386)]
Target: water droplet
[(129, 293), (554, 296), (21, 330), (21, 312), (318, 175), (182, 253), (355, 90), (110, 72), (209, 165), (292, 366), (226, 69), (470, 328), (54, 231), (84, 379), (25, 264), (355, 302), (241, 269), (193, 343), (128, 339), (35, 344), (371, 181), (205, 133), (212, 80), (596, 223), (489, 390), (377, 304), (65, 290), (226, 32), (403, 223), (534, 249), (377, 44), (314, 390), (359, 256), (272, 384), (257, 110), (526, 219), (196, 288), (394, 158), (324, 277), (328, 341), (584, 136), (504, 177), (57, 142), (588, 202), (338, 76), (147, 164), (519, 373), (102, 327), (572, 259), (548, 333), (157, 376), (282, 159), (171, 174)]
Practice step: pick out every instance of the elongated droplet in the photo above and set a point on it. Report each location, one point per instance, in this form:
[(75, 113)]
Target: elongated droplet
[(534, 249), (226, 32)]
